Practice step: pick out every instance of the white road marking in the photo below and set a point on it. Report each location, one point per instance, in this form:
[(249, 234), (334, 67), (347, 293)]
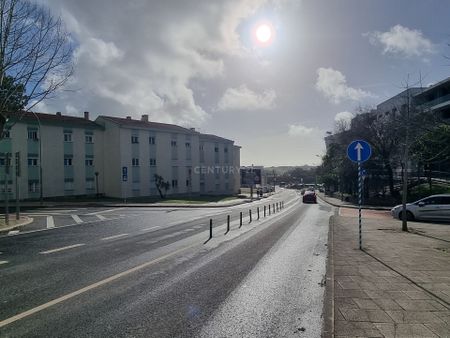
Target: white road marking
[(3, 262), (113, 237), (88, 288), (100, 217), (77, 219), (147, 229), (50, 222), (103, 211), (13, 232), (61, 249)]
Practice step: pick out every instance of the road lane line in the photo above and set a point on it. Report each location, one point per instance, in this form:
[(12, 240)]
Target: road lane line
[(103, 211), (147, 229), (61, 249), (77, 219), (90, 287), (100, 217), (113, 237), (50, 222), (3, 262)]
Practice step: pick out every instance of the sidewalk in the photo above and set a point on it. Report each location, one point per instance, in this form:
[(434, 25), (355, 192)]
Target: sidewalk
[(399, 286), (338, 203), (13, 223)]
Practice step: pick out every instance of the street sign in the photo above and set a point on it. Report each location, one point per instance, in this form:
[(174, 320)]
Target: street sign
[(18, 163), (124, 174), (359, 151)]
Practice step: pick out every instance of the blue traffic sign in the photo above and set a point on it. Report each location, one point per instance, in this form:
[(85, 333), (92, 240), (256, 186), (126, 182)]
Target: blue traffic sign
[(359, 151), (124, 174)]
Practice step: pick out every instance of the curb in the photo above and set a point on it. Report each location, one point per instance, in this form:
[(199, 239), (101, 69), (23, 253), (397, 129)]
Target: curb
[(27, 220), (328, 304)]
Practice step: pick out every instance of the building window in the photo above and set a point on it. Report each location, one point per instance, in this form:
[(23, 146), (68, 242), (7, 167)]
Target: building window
[(67, 137), (134, 139), (174, 183), (68, 185), (89, 162), (89, 138), (33, 186), (32, 135), (188, 183), (32, 162), (216, 149), (217, 187), (135, 162), (153, 161), (6, 133), (188, 145), (2, 161), (173, 143), (225, 150), (90, 185), (67, 161), (200, 147), (151, 140)]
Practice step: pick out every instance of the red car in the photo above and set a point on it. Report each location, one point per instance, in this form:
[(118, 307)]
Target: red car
[(309, 197)]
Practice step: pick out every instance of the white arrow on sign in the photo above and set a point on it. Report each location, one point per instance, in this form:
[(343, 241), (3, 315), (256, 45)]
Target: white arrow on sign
[(358, 148)]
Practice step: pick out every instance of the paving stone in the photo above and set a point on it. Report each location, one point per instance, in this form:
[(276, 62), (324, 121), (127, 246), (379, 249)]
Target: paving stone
[(387, 304), (414, 317), (414, 331), (419, 305), (417, 294), (366, 304), (361, 315), (442, 330)]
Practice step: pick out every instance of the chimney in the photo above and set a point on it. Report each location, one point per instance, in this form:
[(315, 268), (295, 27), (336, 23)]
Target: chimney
[(86, 115), (58, 113), (128, 117), (144, 118), (192, 129)]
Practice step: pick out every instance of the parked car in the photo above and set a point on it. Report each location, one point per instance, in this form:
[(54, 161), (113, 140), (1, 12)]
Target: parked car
[(436, 207), (309, 197)]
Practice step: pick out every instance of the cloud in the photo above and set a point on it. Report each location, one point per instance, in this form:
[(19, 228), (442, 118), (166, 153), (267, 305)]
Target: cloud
[(300, 130), (344, 116), (242, 98), (402, 41), (333, 85), (135, 57)]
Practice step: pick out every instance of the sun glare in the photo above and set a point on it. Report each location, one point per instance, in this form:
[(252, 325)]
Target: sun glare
[(264, 33)]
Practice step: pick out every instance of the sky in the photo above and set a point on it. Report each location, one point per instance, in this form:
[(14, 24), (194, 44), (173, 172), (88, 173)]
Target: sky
[(197, 63)]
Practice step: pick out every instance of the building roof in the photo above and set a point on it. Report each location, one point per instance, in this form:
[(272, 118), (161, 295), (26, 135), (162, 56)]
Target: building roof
[(128, 122), (56, 119), (432, 87), (215, 138)]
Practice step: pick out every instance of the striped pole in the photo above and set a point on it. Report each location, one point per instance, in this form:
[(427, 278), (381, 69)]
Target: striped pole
[(359, 202)]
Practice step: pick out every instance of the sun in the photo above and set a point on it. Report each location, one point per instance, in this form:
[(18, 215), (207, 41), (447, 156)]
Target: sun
[(264, 33)]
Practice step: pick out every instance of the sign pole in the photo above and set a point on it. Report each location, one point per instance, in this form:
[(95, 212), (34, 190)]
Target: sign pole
[(359, 202)]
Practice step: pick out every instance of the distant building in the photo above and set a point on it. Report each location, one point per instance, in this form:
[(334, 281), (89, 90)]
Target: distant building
[(435, 98), (116, 157)]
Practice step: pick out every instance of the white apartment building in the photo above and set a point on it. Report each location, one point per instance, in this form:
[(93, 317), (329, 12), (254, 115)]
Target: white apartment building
[(59, 155), (116, 157)]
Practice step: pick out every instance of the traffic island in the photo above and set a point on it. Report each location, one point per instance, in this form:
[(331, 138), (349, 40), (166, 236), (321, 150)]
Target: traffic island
[(13, 223)]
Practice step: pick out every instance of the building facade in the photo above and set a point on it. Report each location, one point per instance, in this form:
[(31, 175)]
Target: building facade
[(116, 157)]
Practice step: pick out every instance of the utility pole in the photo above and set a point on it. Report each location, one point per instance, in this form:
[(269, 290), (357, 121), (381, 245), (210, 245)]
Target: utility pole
[(405, 165)]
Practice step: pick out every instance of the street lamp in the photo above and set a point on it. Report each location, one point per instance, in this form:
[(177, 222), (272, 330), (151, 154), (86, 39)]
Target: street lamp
[(96, 184)]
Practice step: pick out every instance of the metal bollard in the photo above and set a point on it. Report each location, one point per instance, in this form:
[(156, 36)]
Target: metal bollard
[(210, 228), (250, 215), (228, 224), (240, 223), (264, 211), (269, 209), (273, 208), (257, 210)]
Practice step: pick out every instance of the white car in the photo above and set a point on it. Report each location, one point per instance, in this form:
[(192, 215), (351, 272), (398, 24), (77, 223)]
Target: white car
[(436, 207)]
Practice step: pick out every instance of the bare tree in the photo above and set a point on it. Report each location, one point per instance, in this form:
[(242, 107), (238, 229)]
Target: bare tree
[(35, 56), (161, 185)]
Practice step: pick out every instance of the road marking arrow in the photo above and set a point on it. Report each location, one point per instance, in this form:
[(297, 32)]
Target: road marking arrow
[(358, 148)]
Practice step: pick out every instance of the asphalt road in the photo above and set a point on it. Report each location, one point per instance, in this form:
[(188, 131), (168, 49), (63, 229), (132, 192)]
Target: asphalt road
[(150, 275)]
